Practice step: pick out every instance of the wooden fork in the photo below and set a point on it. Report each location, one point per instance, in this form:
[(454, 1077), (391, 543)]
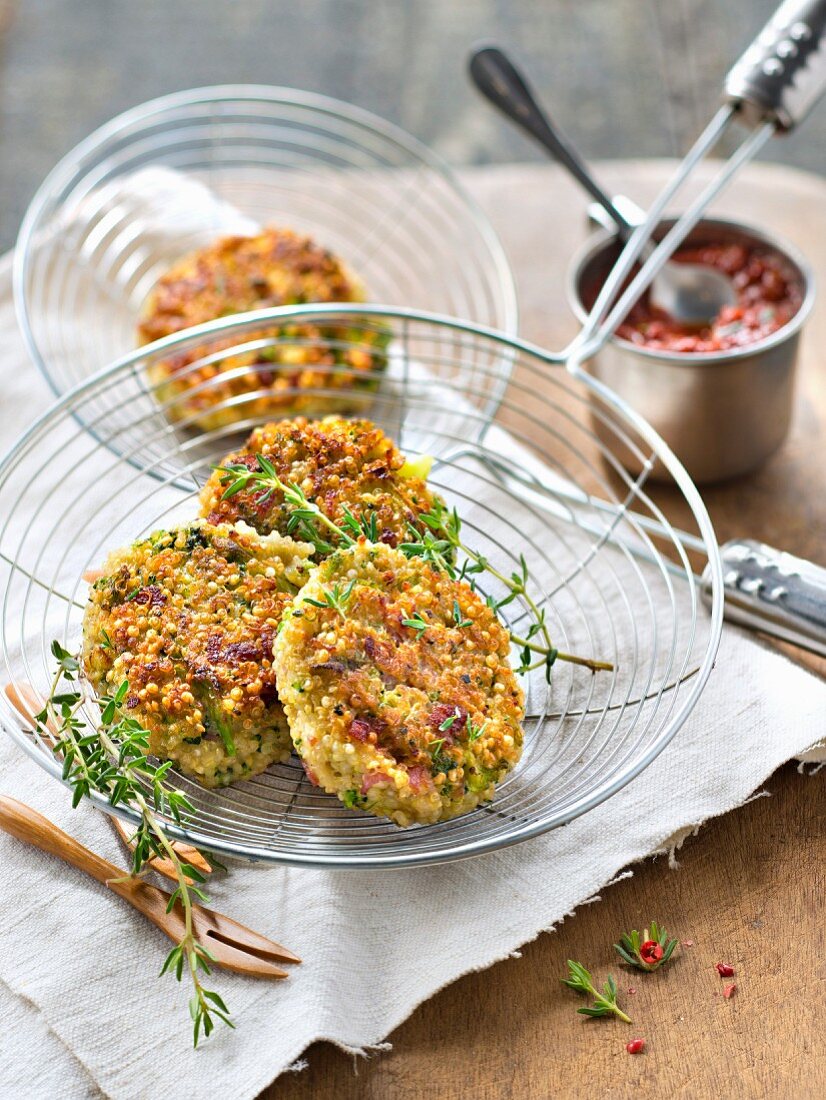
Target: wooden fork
[(234, 946), (25, 701)]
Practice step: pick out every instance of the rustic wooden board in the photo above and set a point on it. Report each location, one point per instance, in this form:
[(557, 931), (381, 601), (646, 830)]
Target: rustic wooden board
[(750, 889)]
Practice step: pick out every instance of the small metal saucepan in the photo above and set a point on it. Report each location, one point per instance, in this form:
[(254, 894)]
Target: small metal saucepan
[(722, 413)]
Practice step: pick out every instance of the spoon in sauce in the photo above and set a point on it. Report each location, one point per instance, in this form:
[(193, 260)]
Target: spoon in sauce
[(691, 294)]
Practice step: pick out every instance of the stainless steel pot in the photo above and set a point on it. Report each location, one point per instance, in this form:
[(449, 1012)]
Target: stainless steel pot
[(724, 413)]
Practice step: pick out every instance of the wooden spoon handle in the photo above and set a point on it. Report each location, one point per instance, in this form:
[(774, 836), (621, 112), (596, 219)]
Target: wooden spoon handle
[(21, 821)]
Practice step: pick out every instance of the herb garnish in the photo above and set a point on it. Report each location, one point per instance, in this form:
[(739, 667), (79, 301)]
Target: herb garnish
[(364, 525), (475, 732), (305, 513), (436, 543), (604, 1002), (647, 951), (417, 623), (336, 597), (457, 616), (112, 761)]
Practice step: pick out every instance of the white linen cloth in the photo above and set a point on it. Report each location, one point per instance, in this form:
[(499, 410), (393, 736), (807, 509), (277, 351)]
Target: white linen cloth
[(82, 1012)]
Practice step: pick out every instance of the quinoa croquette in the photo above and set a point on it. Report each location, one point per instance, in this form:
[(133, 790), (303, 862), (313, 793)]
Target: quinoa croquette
[(188, 617), (235, 275), (341, 465), (397, 686)]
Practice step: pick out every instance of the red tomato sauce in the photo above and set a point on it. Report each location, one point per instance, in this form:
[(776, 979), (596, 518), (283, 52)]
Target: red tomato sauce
[(768, 291)]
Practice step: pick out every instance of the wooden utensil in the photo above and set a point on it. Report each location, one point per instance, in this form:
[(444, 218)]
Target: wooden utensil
[(165, 867), (26, 702), (234, 946)]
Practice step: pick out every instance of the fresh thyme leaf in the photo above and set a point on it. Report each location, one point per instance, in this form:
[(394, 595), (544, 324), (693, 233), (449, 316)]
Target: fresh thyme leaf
[(448, 722), (366, 525), (439, 543), (337, 598), (417, 623)]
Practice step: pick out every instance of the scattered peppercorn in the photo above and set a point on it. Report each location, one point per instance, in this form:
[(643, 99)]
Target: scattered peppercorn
[(728, 991), (724, 970), (636, 1046), (651, 952)]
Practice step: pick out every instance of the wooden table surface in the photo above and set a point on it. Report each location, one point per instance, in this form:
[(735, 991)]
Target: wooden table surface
[(750, 887)]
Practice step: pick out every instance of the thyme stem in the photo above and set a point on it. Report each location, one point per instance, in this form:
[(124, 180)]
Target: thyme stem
[(439, 521), (112, 762)]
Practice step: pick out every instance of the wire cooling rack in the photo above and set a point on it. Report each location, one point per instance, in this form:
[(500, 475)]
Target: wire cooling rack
[(542, 472), (173, 174)]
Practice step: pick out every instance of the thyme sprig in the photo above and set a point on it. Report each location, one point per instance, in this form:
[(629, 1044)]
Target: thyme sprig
[(435, 539), (111, 761), (305, 514), (438, 543), (648, 950), (605, 1002)]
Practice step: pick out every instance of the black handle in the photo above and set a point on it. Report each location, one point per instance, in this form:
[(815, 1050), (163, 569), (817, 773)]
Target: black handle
[(498, 79)]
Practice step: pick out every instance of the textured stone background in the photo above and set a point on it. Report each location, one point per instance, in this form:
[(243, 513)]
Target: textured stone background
[(624, 77)]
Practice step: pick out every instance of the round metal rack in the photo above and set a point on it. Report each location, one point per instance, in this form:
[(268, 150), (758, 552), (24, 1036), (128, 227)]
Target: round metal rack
[(542, 471)]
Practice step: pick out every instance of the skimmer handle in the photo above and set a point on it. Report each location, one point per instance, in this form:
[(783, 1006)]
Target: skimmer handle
[(500, 82), (782, 74), (773, 592)]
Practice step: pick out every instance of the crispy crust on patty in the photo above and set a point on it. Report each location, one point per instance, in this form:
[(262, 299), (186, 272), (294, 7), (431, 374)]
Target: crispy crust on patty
[(188, 617), (339, 464), (413, 722), (235, 275)]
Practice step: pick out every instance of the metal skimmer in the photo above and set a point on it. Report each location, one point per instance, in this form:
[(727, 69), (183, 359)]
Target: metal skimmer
[(106, 465)]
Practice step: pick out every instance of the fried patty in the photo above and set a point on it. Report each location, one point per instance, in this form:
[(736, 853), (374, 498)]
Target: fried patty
[(234, 275), (398, 688), (188, 617), (340, 465)]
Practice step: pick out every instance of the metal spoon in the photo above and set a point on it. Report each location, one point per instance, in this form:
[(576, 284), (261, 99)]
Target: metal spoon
[(690, 293)]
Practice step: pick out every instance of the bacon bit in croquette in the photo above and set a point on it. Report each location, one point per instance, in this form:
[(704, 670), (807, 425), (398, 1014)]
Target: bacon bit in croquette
[(343, 466), (277, 267), (411, 731), (188, 617)]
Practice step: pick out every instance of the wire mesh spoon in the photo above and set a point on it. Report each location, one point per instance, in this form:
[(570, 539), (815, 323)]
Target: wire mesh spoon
[(692, 294), (233, 946)]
